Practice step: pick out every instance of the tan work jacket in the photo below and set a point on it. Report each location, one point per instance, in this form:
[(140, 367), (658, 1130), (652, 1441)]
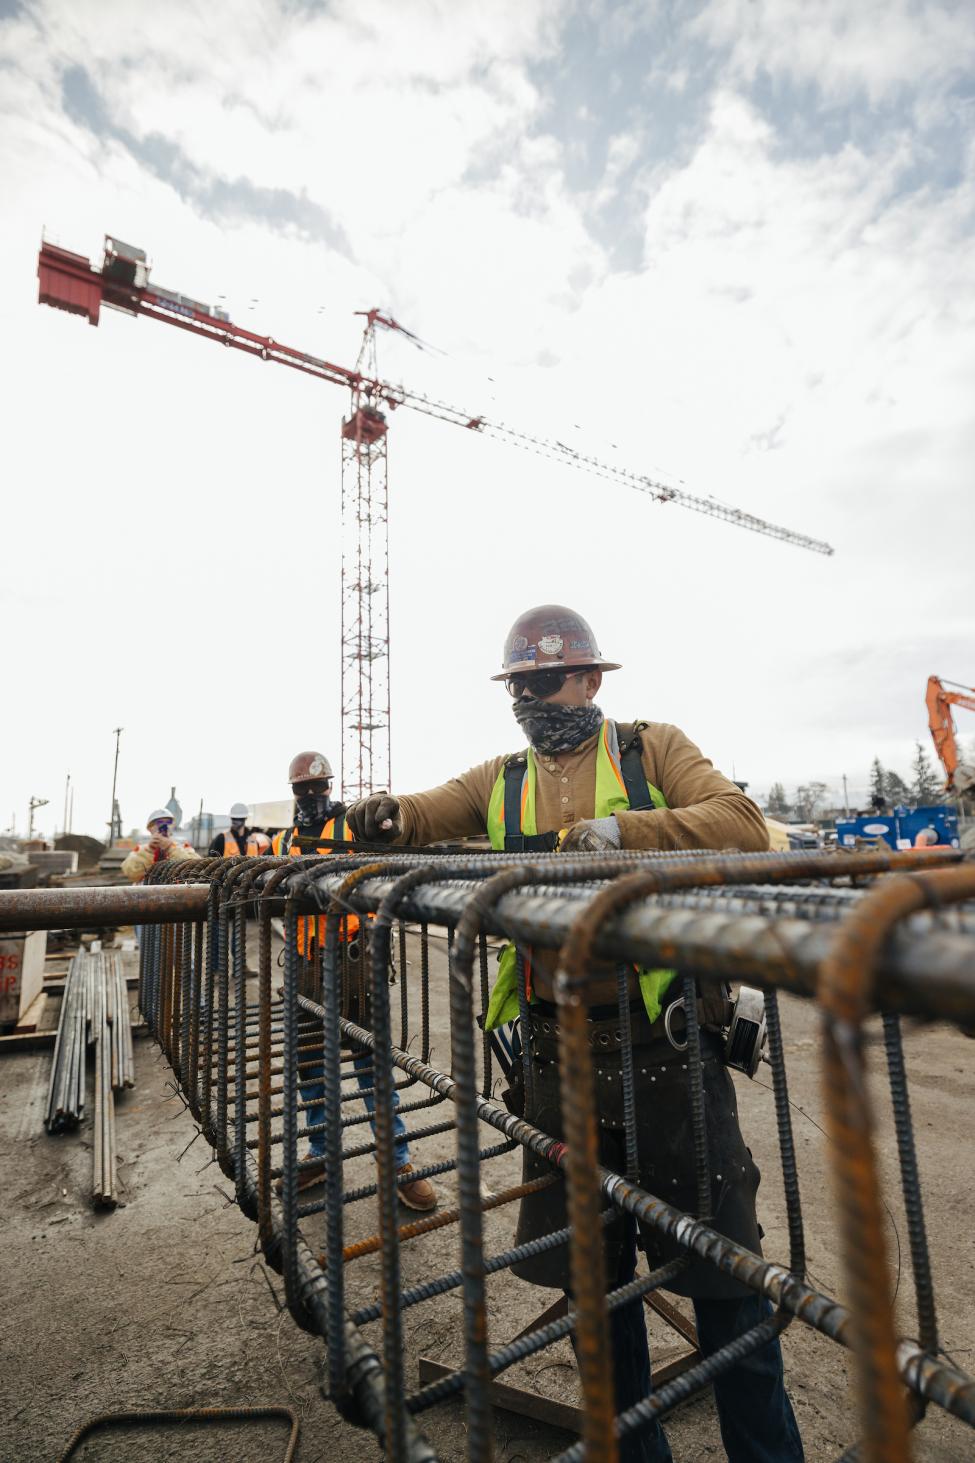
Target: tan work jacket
[(141, 860), (704, 809)]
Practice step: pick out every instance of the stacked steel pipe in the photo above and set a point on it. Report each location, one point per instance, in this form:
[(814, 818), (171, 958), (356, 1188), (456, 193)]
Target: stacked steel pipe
[(859, 934), (94, 1011), (66, 1089)]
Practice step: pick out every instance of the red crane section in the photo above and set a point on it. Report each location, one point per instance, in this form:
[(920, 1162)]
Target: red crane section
[(68, 282)]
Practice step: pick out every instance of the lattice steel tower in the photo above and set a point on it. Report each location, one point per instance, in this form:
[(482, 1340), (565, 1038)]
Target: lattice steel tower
[(365, 584)]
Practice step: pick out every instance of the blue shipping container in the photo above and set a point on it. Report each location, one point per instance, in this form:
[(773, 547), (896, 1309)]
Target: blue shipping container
[(900, 828)]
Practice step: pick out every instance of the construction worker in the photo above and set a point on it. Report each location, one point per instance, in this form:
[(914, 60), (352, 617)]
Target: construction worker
[(239, 839), (161, 845), (318, 818), (588, 783)]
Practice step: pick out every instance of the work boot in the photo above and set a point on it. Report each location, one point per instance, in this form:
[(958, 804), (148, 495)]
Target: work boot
[(417, 1193), (308, 1178)]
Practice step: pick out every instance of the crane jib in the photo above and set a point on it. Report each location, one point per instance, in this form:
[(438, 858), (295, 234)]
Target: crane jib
[(68, 282)]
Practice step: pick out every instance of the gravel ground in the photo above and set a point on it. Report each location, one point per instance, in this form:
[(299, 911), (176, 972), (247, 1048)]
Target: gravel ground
[(165, 1303)]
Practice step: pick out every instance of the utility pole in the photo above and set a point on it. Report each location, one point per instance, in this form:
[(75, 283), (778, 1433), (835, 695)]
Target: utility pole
[(71, 811), (846, 798), (31, 806), (111, 821), (64, 819)]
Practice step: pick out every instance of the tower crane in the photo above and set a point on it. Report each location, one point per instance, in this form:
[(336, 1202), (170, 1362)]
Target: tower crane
[(70, 282)]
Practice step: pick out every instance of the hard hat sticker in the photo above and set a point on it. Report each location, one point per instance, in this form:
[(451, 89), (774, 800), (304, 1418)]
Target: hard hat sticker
[(520, 642), (550, 644), (316, 766)]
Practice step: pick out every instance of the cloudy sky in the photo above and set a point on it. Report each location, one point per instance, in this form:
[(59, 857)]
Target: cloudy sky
[(726, 241)]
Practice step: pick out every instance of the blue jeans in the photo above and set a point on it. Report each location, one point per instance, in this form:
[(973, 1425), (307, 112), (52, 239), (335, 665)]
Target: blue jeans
[(314, 1091), (756, 1417)]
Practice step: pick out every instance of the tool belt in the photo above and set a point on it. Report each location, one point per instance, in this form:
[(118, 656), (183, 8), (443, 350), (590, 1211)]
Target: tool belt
[(605, 1033)]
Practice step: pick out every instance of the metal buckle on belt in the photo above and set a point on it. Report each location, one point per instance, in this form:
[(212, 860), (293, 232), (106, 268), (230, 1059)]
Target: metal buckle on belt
[(678, 1005)]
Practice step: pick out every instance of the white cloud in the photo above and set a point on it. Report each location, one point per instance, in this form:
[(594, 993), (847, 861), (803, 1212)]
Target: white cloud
[(873, 49)]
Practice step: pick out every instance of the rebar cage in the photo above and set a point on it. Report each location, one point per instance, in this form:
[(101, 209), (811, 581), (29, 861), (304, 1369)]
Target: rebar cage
[(346, 1016)]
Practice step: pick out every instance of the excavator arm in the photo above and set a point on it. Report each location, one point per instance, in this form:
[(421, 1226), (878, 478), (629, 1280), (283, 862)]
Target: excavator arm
[(959, 776)]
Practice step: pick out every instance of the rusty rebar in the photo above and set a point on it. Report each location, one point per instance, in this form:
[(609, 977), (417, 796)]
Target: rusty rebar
[(717, 916), (847, 995)]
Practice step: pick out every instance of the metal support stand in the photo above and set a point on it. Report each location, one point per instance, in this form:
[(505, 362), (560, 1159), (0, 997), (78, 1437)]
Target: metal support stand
[(563, 1414)]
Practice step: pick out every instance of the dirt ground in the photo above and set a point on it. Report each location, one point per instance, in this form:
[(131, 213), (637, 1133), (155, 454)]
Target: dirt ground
[(164, 1302)]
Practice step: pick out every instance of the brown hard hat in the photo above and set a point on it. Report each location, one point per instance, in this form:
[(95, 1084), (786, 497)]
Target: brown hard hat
[(548, 637), (309, 767)]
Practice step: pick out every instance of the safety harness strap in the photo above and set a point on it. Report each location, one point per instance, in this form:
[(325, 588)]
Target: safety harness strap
[(631, 766), (518, 842)]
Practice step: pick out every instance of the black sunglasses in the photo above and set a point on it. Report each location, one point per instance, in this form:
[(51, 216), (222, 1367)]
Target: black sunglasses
[(539, 683)]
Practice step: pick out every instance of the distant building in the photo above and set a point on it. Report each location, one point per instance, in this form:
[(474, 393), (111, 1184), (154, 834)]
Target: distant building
[(174, 808)]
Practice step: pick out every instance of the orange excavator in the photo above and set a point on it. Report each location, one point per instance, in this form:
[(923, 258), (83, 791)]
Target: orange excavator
[(959, 776)]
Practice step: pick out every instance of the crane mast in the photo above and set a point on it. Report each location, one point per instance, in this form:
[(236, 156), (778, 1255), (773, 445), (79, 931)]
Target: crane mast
[(68, 281), (365, 587)]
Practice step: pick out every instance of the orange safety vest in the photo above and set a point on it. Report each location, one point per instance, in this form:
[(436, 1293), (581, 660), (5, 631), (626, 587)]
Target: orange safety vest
[(231, 848), (338, 830)]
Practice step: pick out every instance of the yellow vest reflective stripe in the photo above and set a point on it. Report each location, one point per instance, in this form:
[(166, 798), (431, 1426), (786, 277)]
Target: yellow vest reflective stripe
[(231, 848), (344, 835), (610, 792), (610, 797)]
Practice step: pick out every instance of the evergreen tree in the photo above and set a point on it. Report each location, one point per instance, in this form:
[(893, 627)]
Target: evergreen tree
[(896, 790), (878, 777), (925, 789), (778, 804)]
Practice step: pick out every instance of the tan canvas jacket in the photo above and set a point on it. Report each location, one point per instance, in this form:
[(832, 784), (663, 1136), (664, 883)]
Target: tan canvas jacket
[(140, 860), (704, 809)]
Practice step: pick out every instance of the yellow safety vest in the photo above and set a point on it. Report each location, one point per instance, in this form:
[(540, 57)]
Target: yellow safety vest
[(611, 797)]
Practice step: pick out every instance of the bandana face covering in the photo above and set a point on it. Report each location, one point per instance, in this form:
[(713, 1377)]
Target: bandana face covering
[(551, 729), (313, 809)]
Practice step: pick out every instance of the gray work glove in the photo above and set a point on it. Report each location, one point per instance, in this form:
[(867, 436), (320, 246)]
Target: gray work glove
[(375, 819), (592, 835)]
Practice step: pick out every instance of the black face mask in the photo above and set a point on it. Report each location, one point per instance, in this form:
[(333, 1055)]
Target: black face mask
[(237, 826), (554, 728), (313, 809)]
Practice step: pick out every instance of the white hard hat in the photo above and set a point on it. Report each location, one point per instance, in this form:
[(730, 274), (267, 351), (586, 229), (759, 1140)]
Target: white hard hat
[(159, 815), (239, 810)]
